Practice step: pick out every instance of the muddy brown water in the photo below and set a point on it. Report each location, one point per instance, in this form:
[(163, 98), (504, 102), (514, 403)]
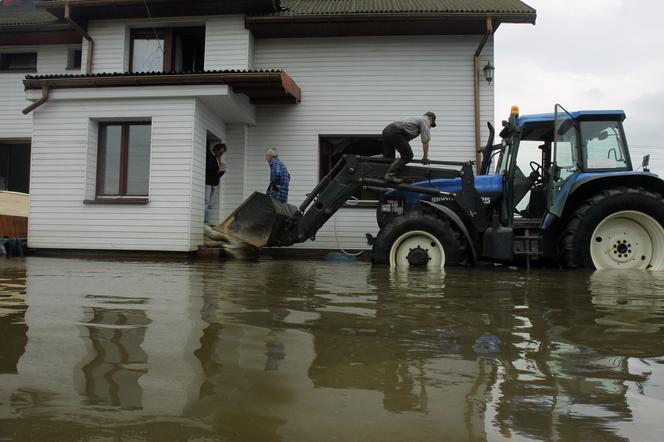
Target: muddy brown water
[(286, 350)]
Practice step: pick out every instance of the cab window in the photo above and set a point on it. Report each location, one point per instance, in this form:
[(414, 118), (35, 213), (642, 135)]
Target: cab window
[(603, 145)]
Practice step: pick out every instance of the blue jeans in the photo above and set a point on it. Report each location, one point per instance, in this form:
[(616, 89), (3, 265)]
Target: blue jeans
[(210, 192)]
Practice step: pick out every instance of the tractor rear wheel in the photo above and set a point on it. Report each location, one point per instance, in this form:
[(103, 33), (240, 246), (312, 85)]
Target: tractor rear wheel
[(620, 228), (419, 240)]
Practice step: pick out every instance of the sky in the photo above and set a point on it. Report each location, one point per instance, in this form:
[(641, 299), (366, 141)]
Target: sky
[(588, 54)]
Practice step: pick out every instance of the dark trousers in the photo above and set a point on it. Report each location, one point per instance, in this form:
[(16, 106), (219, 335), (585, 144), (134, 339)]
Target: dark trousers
[(395, 140)]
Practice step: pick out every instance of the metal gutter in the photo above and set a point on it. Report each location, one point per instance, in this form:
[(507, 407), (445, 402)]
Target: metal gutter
[(476, 71), (391, 16), (84, 34), (88, 64)]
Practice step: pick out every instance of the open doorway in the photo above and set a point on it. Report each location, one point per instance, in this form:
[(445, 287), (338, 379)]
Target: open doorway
[(213, 168), (15, 166)]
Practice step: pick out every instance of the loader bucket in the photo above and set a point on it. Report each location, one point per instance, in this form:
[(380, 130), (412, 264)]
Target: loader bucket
[(261, 221)]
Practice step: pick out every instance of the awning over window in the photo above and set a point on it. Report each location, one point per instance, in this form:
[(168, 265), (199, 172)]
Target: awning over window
[(262, 87)]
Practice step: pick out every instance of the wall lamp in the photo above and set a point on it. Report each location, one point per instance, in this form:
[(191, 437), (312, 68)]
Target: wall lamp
[(488, 72)]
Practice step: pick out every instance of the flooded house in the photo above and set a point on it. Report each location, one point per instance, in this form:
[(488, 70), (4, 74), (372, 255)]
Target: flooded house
[(109, 106)]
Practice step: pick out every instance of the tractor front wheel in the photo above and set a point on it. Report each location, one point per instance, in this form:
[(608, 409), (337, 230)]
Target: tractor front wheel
[(619, 228), (419, 240)]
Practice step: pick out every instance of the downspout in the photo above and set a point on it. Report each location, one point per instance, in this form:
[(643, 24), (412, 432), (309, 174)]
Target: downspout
[(84, 34), (39, 102), (88, 64), (476, 67)]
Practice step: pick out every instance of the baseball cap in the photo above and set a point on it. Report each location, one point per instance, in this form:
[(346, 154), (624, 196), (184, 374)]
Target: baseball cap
[(433, 118)]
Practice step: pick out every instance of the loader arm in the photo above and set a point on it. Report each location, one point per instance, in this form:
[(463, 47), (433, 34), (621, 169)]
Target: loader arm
[(264, 222)]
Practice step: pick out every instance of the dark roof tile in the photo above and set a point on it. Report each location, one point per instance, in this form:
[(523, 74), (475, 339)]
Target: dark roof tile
[(151, 74), (336, 7), (24, 16)]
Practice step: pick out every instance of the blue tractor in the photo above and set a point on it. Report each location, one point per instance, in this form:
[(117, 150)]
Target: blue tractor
[(582, 204), (559, 189)]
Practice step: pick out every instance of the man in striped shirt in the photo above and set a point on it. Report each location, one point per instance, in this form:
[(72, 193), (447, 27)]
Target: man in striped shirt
[(279, 176), (396, 137)]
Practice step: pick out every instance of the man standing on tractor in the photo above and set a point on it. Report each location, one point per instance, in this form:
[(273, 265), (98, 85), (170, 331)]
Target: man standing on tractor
[(396, 137)]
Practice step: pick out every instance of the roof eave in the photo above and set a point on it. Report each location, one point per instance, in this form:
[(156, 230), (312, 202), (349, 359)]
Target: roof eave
[(261, 87), (38, 34), (327, 25), (110, 9), (516, 17)]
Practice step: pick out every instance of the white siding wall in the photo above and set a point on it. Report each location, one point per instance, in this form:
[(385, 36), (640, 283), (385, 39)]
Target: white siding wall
[(13, 124), (354, 85), (111, 43), (232, 183), (63, 168), (205, 121), (227, 43)]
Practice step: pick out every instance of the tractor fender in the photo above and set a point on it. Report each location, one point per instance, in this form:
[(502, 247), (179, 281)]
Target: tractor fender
[(449, 213), (587, 184)]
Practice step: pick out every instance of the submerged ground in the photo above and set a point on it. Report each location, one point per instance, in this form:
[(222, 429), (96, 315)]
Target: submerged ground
[(283, 350)]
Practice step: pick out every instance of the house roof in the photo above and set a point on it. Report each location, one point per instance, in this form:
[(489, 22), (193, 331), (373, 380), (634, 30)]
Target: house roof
[(319, 18), (334, 7), (261, 86), (14, 16)]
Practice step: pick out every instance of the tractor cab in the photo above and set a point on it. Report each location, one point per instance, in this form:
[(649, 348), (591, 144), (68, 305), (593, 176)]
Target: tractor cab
[(541, 157)]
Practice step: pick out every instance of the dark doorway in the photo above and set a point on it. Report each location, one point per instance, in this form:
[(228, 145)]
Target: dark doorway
[(332, 147), (15, 167)]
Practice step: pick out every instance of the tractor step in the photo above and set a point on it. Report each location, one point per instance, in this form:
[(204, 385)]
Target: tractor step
[(528, 244)]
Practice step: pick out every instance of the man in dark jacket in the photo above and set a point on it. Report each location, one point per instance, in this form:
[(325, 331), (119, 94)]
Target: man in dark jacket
[(215, 168), (396, 137)]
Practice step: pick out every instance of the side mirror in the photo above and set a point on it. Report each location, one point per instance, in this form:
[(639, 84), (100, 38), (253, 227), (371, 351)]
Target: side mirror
[(645, 162)]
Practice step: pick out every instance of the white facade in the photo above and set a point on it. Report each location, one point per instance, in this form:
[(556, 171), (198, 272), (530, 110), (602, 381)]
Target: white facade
[(356, 86), (350, 86), (51, 59)]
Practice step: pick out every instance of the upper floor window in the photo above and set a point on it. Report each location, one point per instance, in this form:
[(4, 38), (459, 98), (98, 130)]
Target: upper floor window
[(123, 159), (167, 50), (18, 61), (74, 58)]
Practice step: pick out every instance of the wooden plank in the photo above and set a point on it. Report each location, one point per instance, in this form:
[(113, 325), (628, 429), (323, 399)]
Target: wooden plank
[(13, 226), (14, 204)]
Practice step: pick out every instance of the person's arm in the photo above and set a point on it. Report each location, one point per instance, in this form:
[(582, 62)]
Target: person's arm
[(426, 137), (221, 168)]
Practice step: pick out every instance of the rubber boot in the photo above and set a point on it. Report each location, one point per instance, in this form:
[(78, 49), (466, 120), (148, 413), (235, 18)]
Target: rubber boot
[(391, 174)]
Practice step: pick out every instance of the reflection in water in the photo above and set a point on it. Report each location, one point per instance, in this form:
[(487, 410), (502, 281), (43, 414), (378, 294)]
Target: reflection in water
[(301, 350), (116, 361), (13, 329)]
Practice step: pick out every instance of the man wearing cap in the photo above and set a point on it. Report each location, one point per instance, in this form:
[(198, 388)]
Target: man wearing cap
[(396, 137)]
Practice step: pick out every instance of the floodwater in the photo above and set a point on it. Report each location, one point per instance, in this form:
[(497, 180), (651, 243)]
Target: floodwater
[(285, 350)]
